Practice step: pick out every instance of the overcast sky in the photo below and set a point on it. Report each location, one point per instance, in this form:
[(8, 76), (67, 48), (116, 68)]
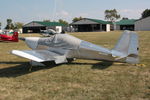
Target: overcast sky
[(28, 10)]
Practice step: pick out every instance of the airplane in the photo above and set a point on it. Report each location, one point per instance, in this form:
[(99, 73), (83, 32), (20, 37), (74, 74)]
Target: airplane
[(48, 32), (13, 38), (61, 48)]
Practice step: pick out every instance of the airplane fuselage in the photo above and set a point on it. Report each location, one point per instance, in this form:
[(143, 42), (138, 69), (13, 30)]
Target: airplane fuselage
[(13, 38), (71, 46)]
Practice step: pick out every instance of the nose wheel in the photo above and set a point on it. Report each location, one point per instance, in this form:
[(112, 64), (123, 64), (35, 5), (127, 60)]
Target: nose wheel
[(71, 60)]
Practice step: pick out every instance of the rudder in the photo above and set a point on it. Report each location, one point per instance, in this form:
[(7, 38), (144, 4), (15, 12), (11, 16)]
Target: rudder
[(133, 49), (128, 46), (15, 36)]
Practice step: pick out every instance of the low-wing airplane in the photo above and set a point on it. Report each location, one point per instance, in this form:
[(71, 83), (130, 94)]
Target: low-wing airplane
[(48, 32), (60, 48), (13, 38)]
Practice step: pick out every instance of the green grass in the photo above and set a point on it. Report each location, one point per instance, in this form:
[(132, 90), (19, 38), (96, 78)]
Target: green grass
[(79, 80)]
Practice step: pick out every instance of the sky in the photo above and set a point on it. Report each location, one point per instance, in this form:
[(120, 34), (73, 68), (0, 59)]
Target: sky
[(26, 11)]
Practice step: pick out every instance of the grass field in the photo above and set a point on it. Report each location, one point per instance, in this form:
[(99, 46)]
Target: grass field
[(79, 80)]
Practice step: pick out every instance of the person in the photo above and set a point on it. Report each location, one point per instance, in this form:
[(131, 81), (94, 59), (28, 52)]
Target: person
[(62, 32)]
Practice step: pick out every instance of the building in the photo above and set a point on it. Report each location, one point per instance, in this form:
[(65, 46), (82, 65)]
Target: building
[(91, 25), (37, 26), (125, 24), (143, 24)]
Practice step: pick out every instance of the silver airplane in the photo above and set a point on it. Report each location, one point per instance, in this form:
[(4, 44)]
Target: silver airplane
[(60, 48), (48, 32)]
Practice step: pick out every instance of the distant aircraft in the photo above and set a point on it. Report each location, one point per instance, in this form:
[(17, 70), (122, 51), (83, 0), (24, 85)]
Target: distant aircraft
[(61, 48), (48, 32), (13, 38)]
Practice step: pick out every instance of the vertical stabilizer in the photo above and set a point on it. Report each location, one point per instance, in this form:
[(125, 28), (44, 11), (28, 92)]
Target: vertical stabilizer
[(15, 37), (128, 46), (123, 43)]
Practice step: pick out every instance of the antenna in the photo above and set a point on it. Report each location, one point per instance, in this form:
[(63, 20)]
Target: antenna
[(54, 10)]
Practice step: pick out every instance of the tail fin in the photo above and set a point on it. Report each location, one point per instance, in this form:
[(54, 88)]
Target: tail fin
[(128, 45), (15, 36)]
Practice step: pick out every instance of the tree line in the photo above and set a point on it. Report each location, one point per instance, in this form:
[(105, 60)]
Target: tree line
[(11, 25), (110, 15)]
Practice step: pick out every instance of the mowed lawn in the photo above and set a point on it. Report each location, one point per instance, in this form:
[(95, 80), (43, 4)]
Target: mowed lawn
[(79, 80)]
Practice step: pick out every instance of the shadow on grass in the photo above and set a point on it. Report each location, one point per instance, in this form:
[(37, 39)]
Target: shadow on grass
[(24, 67), (101, 65), (7, 41)]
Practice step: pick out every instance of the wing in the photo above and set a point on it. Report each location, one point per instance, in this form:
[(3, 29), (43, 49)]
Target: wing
[(41, 55)]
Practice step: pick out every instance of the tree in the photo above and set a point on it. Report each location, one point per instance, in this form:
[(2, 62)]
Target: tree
[(63, 22), (77, 19), (46, 20), (9, 24), (0, 25), (18, 25), (125, 18), (111, 15), (146, 13), (9, 21)]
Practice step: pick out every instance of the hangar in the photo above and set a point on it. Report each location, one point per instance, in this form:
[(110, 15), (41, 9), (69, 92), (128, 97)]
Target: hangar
[(143, 24), (37, 26), (91, 25), (126, 24)]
